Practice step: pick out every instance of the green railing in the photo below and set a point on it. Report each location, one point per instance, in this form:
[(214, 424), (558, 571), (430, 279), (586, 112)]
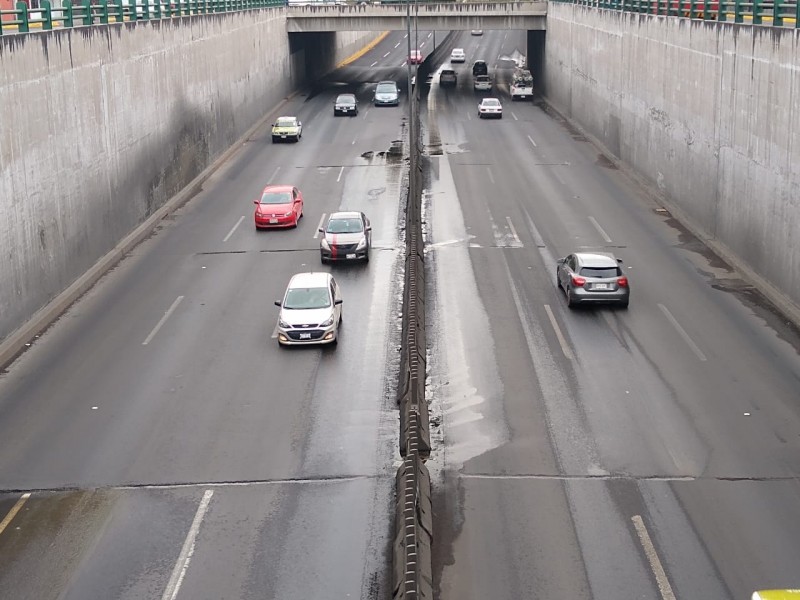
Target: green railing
[(758, 12), (23, 19)]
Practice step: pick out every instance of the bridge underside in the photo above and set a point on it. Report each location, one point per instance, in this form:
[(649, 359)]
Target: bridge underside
[(530, 16)]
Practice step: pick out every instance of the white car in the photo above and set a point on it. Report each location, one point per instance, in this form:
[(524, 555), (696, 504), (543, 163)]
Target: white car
[(490, 107), (482, 83), (458, 55), (311, 310), (477, 32)]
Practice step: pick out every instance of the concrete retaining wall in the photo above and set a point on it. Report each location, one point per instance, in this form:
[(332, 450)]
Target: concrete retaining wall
[(101, 125), (708, 112)]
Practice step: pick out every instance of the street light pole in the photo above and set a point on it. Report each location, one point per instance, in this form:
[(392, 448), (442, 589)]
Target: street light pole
[(412, 153)]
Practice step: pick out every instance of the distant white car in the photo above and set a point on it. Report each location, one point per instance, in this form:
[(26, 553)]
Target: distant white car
[(482, 83), (490, 107), (477, 32), (458, 55)]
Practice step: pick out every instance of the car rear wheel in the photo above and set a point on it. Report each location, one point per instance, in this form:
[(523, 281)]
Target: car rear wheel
[(624, 305)]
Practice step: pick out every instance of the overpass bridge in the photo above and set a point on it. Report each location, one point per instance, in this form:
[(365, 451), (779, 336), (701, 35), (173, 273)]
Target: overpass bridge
[(526, 15)]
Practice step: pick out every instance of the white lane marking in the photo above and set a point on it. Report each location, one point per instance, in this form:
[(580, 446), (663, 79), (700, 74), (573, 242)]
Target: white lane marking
[(275, 331), (230, 233), (373, 64), (532, 142), (405, 36), (403, 64), (517, 243), (422, 44), (353, 143), (515, 116), (14, 510), (387, 54), (275, 174), (339, 178), (600, 230), (469, 116), (491, 177), (163, 320), (682, 332), (187, 551), (321, 220), (397, 44), (652, 556), (429, 35), (561, 339), (366, 112)]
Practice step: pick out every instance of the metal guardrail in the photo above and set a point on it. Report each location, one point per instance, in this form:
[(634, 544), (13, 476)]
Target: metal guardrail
[(23, 18), (757, 12)]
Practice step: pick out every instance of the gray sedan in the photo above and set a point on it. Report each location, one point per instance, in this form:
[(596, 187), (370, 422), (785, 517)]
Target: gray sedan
[(588, 277)]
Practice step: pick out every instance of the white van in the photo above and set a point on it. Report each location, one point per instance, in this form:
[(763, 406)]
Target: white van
[(521, 85)]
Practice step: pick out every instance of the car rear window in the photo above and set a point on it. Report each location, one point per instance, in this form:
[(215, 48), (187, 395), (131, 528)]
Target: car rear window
[(491, 102), (286, 122), (601, 272), (276, 198), (346, 99), (307, 298), (344, 226)]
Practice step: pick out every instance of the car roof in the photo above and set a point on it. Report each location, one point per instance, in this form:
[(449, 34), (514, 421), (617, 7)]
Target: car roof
[(490, 100), (596, 259), (394, 83), (479, 61), (346, 214), (278, 188), (310, 280)]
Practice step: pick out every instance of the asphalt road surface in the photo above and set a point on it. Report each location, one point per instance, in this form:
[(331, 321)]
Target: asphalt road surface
[(596, 453), (157, 443)]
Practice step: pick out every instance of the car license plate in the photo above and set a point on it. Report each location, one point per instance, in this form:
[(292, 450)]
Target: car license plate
[(273, 221), (600, 286), (305, 336), (351, 256), (283, 136)]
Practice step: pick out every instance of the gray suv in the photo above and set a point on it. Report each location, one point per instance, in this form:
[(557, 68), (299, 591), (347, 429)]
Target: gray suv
[(387, 94), (588, 277)]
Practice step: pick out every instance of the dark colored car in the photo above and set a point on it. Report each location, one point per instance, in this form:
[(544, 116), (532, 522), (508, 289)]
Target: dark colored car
[(448, 77), (346, 237), (479, 67), (593, 277), (346, 104)]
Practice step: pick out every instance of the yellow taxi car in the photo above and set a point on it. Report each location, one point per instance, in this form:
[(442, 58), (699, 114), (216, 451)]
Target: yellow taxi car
[(287, 128), (777, 595)]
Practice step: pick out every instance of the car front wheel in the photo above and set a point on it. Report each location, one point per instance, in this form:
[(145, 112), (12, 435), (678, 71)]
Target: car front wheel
[(570, 300)]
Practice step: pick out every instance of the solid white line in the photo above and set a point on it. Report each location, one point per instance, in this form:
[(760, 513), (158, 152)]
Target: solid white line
[(600, 230), (682, 332), (187, 551), (515, 116), (321, 220), (561, 339), (373, 64), (273, 175), (163, 320), (532, 142), (230, 233), (339, 178), (397, 44), (513, 232), (14, 510), (491, 177), (387, 54), (652, 556)]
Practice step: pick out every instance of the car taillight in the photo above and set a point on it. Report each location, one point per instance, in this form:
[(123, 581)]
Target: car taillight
[(579, 281), (622, 281)]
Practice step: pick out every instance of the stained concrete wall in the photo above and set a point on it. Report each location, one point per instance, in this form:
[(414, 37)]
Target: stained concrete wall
[(101, 125), (708, 112)]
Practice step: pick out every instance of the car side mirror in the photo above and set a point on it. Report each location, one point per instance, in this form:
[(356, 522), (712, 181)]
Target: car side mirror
[(277, 302), (337, 301), (321, 230), (619, 260), (561, 261), (255, 202), (369, 228)]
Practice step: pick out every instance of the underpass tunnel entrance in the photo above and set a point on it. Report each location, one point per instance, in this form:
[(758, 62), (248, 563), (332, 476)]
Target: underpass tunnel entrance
[(536, 45)]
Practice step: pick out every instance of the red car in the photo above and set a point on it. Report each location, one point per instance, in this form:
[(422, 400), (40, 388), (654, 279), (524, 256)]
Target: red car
[(279, 206), (415, 58)]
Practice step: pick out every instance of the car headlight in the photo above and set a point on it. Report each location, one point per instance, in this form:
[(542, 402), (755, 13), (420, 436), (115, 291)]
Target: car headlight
[(283, 324), (362, 243), (324, 243), (327, 322), (288, 214)]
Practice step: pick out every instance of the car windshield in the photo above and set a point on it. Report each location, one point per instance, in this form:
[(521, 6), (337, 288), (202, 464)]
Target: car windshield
[(386, 88), (600, 272), (286, 122), (346, 100), (345, 226), (307, 298), (491, 102), (276, 198)]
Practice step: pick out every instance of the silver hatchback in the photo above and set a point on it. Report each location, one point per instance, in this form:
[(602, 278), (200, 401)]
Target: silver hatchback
[(589, 277)]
